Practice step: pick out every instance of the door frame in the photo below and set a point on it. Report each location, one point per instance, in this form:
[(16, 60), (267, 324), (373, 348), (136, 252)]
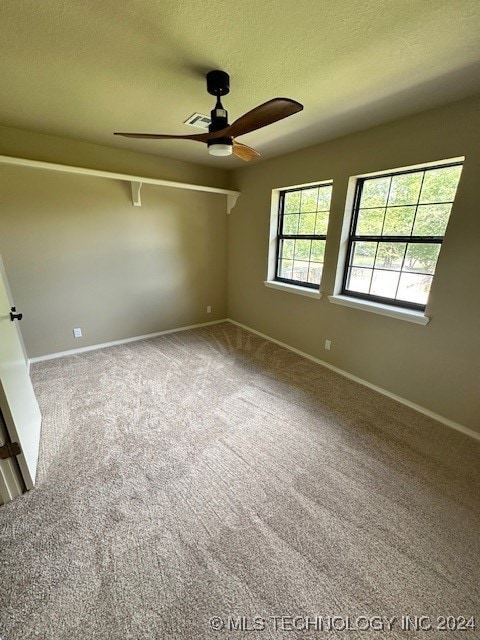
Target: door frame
[(11, 481)]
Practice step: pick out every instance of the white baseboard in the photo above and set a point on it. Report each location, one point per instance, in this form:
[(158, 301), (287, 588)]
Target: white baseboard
[(94, 347), (449, 423)]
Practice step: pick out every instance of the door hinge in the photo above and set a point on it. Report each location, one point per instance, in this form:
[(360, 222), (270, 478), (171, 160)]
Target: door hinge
[(9, 450)]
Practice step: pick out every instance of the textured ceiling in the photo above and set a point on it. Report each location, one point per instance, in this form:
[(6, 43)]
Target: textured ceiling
[(84, 68)]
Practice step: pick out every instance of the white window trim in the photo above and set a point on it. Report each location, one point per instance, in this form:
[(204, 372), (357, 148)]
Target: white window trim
[(408, 167), (401, 313), (293, 288)]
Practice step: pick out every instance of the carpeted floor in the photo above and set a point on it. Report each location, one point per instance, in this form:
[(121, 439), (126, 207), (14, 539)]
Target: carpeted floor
[(212, 473)]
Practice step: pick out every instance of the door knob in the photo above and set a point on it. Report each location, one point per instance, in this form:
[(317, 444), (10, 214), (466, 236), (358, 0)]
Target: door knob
[(14, 315)]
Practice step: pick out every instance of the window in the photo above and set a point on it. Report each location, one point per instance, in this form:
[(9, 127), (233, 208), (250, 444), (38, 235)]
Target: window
[(398, 224), (302, 229)]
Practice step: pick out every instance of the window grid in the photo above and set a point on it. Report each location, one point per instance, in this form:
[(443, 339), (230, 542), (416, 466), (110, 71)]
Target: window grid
[(312, 237), (407, 239)]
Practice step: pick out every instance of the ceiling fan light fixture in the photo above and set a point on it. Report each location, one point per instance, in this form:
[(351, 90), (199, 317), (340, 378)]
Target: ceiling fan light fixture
[(220, 147)]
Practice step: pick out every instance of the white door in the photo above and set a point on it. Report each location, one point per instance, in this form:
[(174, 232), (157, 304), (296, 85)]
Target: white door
[(18, 404)]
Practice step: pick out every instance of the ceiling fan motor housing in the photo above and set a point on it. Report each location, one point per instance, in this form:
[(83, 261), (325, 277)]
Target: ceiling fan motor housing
[(218, 84), (221, 141), (218, 118)]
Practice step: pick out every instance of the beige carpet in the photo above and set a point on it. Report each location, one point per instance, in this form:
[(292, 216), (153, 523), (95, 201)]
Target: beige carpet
[(212, 473)]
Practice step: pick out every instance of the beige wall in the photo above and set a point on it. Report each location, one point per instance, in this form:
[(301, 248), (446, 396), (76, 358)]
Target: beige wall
[(78, 254), (436, 366)]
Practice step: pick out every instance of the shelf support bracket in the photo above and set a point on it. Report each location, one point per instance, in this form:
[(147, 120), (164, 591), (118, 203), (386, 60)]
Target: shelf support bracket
[(136, 197), (231, 201)]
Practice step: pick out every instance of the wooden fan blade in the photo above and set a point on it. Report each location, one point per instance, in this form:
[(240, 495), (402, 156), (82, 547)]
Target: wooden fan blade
[(200, 137), (263, 115), (243, 152)]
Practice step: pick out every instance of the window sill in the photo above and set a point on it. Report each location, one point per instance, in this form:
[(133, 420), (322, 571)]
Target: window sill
[(292, 288), (409, 315)]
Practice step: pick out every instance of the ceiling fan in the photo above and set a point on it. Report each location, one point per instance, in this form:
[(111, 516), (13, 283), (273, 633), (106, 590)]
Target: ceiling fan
[(221, 136)]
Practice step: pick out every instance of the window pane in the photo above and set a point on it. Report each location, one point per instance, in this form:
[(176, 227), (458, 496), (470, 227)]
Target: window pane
[(285, 270), (432, 220), (306, 223), (305, 213), (302, 249), (359, 279), (364, 254), (315, 273), (324, 198), (440, 185), (292, 202), (318, 251), (399, 221), (390, 255), (287, 248), (321, 223), (290, 224), (414, 288), (300, 270), (309, 199), (422, 258), (384, 283), (375, 192), (410, 206), (370, 222), (405, 188)]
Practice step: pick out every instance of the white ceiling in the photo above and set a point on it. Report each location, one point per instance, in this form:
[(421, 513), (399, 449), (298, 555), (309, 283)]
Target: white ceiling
[(84, 68)]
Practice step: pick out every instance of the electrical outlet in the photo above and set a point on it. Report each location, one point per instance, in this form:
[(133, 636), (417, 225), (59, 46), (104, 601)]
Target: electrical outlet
[(77, 333), (209, 309), (328, 344)]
